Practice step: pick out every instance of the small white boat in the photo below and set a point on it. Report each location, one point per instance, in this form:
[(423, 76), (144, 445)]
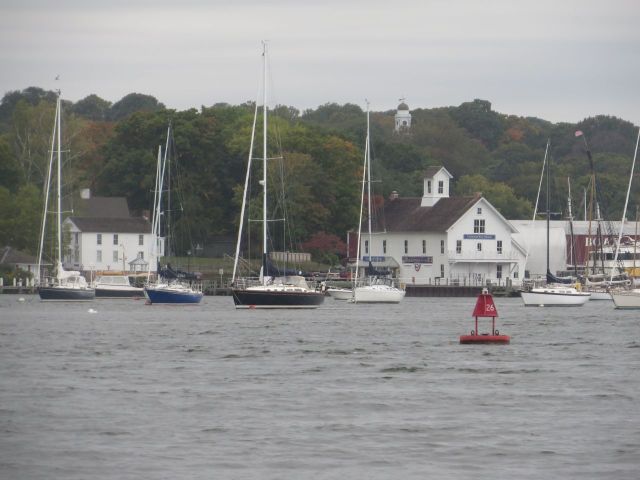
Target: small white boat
[(340, 293), (628, 300), (116, 286), (378, 293), (555, 296)]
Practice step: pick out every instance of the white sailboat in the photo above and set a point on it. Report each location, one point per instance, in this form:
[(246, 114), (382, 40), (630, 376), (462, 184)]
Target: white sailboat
[(67, 285), (372, 288), (553, 294), (630, 299), (275, 288)]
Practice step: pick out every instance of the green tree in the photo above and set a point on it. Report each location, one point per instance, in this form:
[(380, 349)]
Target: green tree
[(501, 196), (10, 171), (92, 107), (134, 102)]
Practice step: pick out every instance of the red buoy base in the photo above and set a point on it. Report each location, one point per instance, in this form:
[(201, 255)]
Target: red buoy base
[(484, 338)]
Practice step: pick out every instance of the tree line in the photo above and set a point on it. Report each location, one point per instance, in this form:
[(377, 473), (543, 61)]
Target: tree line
[(111, 148)]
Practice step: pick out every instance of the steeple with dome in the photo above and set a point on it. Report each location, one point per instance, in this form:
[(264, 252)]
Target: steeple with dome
[(403, 117)]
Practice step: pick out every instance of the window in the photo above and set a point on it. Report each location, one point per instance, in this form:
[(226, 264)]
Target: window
[(141, 255), (99, 239), (115, 238), (479, 210), (99, 256), (428, 186), (458, 246), (75, 238), (478, 226), (499, 271), (479, 246), (424, 246), (366, 246), (140, 239), (384, 246), (115, 255), (499, 247), (441, 246), (406, 246), (440, 186), (515, 274), (441, 271)]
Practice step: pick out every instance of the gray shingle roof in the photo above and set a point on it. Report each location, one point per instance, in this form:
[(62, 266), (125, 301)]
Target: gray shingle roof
[(406, 214), (112, 225), (101, 207), (9, 255)]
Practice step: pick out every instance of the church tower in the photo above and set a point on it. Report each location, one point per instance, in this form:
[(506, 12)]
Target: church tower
[(403, 118)]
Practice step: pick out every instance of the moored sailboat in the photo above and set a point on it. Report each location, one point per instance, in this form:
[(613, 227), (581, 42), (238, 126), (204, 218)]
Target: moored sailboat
[(275, 287), (373, 288), (171, 287), (553, 294), (67, 285)]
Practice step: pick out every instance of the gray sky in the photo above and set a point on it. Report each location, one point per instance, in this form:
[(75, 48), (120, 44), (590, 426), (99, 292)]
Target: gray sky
[(561, 60)]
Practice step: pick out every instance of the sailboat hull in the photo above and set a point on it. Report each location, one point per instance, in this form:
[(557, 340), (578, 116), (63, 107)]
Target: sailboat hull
[(627, 300), (253, 298), (66, 294), (554, 299), (119, 292), (378, 294), (172, 296)]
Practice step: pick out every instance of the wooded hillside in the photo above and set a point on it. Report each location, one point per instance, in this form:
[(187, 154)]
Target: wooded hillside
[(112, 149)]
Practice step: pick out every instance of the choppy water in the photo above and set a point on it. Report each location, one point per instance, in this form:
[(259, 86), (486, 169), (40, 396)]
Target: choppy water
[(346, 391)]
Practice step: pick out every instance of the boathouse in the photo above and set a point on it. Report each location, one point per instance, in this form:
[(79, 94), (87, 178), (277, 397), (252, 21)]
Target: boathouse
[(437, 239)]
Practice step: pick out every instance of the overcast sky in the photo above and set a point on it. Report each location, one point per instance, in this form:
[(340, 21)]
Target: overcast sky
[(561, 60)]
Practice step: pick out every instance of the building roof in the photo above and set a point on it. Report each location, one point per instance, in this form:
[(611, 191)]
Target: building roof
[(406, 214), (403, 106), (101, 207), (112, 225), (10, 256), (430, 172)]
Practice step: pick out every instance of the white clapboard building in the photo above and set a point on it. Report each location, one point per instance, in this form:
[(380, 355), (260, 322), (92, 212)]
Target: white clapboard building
[(102, 236), (438, 239)]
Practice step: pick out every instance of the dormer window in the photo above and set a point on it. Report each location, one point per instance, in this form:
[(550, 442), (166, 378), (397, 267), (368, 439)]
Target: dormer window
[(440, 186), (428, 186)]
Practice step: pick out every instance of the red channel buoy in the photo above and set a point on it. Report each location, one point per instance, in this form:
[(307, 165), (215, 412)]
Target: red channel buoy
[(485, 308)]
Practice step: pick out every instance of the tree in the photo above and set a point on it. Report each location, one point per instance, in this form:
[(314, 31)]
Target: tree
[(501, 196), (10, 171), (134, 102), (92, 107), (480, 121)]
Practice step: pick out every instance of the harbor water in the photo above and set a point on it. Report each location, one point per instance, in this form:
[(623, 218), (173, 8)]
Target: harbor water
[(116, 389)]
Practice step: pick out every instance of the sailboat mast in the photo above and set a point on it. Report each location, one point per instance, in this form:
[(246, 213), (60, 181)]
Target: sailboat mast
[(156, 214), (368, 153), (47, 189), (265, 109), (167, 166), (572, 246), (59, 213), (548, 222)]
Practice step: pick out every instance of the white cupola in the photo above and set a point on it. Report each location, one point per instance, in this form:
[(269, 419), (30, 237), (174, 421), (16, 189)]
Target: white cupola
[(403, 117), (436, 185)]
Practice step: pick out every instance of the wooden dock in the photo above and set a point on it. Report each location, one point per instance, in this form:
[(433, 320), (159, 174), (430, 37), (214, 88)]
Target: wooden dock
[(458, 291)]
